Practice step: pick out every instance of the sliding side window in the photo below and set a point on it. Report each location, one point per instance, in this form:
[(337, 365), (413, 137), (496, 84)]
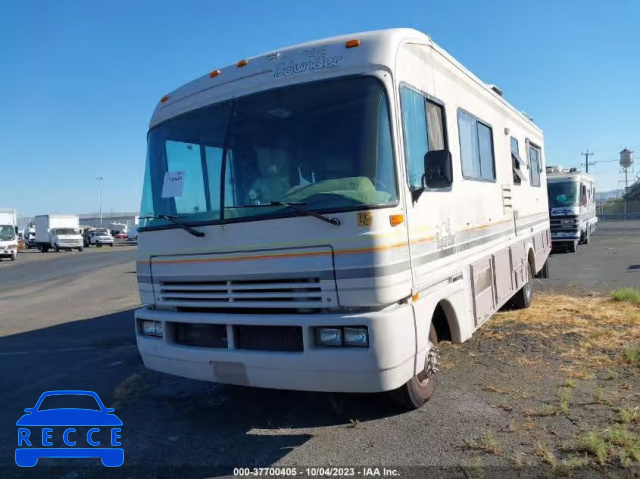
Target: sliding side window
[(424, 130), (535, 164), (517, 163), (476, 148)]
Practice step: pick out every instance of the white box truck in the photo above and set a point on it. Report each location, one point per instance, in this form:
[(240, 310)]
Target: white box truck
[(376, 200), (58, 232), (8, 234)]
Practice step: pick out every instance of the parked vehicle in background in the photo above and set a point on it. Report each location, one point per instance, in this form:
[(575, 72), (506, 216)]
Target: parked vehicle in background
[(100, 236), (375, 202), (120, 235), (86, 231), (8, 234), (133, 233), (572, 206), (58, 232), (30, 236)]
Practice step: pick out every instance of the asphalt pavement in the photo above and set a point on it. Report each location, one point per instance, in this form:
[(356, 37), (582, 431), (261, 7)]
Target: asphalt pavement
[(33, 267)]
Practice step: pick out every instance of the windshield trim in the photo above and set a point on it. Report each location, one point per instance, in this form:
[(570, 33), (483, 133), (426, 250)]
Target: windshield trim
[(287, 213), (388, 91)]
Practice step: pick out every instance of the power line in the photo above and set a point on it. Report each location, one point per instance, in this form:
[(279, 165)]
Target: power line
[(586, 159)]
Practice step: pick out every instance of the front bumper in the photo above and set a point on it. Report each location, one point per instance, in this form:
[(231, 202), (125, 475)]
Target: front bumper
[(8, 252), (386, 364), (560, 236)]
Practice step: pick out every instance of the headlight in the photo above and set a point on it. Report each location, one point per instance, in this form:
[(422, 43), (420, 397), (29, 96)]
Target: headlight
[(151, 328), (356, 337), (329, 336), (350, 336)]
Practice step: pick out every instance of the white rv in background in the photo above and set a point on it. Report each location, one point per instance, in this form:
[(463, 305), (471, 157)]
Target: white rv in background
[(58, 232), (8, 234), (572, 206), (364, 197)]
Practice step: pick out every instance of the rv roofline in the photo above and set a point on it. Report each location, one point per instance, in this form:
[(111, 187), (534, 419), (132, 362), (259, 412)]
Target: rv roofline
[(394, 37)]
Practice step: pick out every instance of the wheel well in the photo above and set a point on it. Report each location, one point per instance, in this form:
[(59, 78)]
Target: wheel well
[(440, 321)]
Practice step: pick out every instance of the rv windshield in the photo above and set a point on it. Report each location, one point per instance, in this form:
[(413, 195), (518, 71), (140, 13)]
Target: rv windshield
[(563, 194), (324, 145), (7, 233)]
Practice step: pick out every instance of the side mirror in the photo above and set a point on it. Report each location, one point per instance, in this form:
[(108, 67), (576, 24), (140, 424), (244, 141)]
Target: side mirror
[(438, 169), (109, 409), (28, 410)]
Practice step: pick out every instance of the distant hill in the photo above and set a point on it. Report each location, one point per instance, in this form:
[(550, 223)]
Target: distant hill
[(603, 196)]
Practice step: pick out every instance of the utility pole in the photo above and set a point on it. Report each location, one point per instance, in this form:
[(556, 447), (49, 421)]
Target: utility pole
[(586, 160), (99, 178)]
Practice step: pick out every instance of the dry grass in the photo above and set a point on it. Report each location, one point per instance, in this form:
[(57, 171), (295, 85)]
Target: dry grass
[(541, 450), (488, 443), (594, 331)]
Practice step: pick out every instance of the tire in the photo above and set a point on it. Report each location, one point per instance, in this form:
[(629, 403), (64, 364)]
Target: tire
[(13, 257), (573, 246), (56, 248), (81, 249), (587, 237), (544, 272), (524, 297), (111, 245), (419, 389)]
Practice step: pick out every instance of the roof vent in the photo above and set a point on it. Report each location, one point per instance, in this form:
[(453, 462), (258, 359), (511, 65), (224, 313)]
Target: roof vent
[(496, 89)]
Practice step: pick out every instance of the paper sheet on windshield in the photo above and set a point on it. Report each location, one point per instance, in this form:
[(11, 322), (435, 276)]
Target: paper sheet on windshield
[(173, 184)]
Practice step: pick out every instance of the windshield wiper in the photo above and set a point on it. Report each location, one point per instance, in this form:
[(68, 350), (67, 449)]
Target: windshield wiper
[(294, 205), (176, 221)]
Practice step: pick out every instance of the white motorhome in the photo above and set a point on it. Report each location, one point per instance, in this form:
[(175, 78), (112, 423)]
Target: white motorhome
[(58, 232), (8, 234), (319, 217), (572, 206)]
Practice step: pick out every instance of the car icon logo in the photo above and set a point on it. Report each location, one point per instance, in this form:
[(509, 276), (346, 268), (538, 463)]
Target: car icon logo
[(88, 431)]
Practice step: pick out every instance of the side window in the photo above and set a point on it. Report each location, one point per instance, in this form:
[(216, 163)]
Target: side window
[(476, 148), (534, 165), (414, 120), (186, 157)]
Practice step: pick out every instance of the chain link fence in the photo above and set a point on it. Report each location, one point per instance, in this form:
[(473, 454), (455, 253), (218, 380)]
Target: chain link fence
[(619, 210)]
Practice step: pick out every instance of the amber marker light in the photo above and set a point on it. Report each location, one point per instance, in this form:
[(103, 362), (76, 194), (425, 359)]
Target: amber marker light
[(396, 220), (352, 43)]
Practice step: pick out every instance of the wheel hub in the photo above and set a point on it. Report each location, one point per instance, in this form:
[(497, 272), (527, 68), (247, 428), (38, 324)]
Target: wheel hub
[(431, 364)]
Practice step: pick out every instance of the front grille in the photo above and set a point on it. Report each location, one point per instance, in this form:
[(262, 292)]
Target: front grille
[(201, 335), (269, 338), (559, 223), (277, 293)]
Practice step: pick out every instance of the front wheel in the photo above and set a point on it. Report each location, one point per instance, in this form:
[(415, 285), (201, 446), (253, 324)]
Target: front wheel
[(111, 245), (419, 389), (81, 249), (56, 248), (13, 257), (573, 246)]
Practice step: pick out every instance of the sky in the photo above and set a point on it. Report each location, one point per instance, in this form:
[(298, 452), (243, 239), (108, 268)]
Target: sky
[(79, 79)]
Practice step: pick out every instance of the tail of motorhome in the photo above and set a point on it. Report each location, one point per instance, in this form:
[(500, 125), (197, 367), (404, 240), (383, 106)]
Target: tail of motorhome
[(8, 234), (378, 198), (58, 232), (572, 207)]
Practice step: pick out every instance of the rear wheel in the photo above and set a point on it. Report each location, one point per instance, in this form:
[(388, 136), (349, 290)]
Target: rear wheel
[(419, 389), (523, 298)]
